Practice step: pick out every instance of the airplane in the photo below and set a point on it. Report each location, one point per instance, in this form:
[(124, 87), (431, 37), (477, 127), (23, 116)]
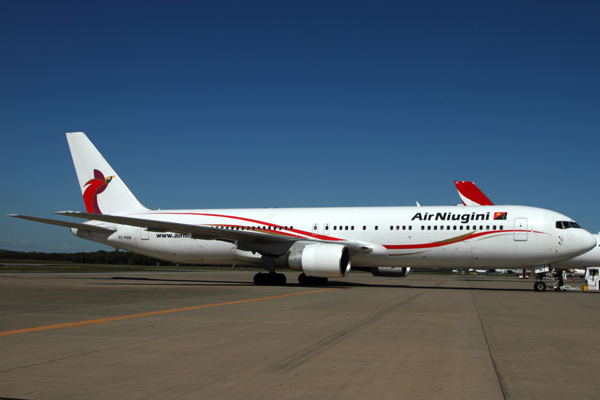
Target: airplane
[(579, 272), (471, 194), (321, 243)]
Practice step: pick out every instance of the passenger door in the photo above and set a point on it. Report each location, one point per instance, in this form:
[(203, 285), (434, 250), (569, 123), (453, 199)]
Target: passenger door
[(520, 232)]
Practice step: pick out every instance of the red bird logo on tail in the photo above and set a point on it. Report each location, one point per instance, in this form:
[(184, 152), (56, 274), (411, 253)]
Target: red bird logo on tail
[(96, 186)]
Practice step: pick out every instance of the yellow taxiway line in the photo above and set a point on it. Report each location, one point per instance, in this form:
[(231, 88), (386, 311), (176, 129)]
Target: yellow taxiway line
[(111, 319)]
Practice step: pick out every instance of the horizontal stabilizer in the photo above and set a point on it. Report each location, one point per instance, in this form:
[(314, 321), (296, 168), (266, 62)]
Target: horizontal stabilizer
[(67, 224)]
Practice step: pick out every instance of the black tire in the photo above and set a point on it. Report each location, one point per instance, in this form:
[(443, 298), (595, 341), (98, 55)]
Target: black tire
[(320, 281), (311, 280), (539, 286), (280, 279), (261, 279), (303, 279)]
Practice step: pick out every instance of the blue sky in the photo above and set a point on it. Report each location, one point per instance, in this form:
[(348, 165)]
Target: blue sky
[(227, 104)]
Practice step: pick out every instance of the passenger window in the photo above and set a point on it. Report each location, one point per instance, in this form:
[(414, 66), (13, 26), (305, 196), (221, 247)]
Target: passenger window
[(422, 228), (435, 228), (376, 227), (441, 227), (487, 228), (410, 227), (346, 227), (391, 228), (364, 228), (428, 227), (494, 227), (461, 227), (352, 228), (501, 227), (335, 227)]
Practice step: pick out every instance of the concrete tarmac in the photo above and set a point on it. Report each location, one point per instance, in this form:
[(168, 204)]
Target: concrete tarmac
[(215, 335)]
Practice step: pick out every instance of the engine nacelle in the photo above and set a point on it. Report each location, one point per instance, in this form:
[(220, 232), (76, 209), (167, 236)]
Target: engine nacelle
[(325, 260), (390, 271)]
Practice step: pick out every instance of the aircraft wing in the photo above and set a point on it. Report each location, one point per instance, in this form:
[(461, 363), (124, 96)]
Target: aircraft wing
[(264, 243), (471, 195), (67, 224)]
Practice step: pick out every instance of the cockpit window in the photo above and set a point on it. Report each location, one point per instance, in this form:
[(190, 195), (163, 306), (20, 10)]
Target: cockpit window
[(566, 225)]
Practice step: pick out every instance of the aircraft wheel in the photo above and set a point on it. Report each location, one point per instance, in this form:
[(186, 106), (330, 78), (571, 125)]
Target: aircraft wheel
[(311, 280), (539, 286), (303, 279), (280, 279), (320, 281), (261, 279)]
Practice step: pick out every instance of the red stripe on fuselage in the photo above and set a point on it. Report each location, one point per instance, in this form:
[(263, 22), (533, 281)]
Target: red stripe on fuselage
[(447, 243)]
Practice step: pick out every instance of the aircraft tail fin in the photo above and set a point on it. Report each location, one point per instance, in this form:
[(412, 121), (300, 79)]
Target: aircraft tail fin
[(102, 189), (471, 195)]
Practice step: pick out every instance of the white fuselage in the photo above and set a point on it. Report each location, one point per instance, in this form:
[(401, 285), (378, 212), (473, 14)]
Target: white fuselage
[(430, 237)]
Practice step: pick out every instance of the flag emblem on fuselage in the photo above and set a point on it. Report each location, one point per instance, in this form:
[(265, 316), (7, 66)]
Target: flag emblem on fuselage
[(500, 216)]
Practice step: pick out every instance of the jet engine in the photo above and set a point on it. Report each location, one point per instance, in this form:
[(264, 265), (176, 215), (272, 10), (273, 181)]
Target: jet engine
[(390, 271), (325, 260)]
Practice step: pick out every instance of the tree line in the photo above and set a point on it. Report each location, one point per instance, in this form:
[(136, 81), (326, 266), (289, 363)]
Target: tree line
[(98, 257)]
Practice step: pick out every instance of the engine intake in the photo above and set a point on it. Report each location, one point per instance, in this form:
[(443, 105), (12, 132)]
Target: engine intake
[(325, 260)]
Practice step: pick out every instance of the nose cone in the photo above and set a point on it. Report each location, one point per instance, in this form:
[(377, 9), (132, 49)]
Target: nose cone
[(588, 241)]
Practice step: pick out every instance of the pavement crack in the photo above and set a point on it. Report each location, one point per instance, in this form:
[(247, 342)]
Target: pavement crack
[(488, 347), (314, 350)]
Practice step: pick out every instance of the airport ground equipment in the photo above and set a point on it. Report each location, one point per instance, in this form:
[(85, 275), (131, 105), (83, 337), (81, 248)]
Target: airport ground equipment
[(592, 278)]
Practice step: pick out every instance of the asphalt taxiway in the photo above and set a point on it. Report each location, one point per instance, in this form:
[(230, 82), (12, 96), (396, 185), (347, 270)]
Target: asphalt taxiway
[(214, 334)]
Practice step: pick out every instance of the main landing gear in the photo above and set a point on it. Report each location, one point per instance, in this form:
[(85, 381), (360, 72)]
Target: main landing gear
[(269, 279), (311, 280), (277, 279)]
